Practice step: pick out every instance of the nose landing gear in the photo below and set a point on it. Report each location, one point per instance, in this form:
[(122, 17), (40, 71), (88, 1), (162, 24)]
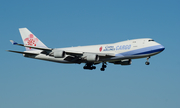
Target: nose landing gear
[(147, 62)]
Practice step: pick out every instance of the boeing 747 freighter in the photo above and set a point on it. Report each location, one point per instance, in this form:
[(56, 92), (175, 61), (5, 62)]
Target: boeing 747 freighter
[(117, 53)]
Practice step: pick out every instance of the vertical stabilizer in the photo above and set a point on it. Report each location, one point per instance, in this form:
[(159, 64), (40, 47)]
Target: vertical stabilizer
[(30, 39)]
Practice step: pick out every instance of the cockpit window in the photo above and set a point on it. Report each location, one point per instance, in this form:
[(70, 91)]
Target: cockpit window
[(151, 40)]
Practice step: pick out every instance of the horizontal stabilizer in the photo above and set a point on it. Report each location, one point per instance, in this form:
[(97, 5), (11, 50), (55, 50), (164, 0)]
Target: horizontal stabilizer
[(39, 48)]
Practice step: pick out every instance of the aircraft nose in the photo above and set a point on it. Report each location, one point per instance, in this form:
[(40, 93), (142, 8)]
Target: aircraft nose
[(161, 48)]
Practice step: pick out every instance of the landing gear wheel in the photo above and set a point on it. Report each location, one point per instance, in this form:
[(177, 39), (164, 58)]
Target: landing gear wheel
[(84, 67), (147, 63), (93, 67), (89, 66), (104, 66), (102, 69)]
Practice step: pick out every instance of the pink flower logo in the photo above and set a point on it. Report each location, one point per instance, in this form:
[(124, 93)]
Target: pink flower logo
[(31, 40), (100, 49)]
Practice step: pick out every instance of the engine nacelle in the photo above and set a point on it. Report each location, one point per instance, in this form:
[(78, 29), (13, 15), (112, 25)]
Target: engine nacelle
[(59, 54), (124, 62), (92, 57)]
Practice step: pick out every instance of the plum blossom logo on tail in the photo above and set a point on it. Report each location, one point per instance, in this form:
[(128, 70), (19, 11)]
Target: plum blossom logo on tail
[(31, 40), (100, 49)]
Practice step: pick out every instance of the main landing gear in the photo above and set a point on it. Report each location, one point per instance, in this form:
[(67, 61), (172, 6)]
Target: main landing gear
[(147, 62), (103, 66), (89, 66)]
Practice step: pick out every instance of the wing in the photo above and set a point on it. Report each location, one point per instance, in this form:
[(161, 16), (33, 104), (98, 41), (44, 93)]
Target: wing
[(71, 55), (22, 52)]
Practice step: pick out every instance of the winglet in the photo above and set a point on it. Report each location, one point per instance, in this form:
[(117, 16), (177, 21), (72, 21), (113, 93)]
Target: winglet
[(14, 43)]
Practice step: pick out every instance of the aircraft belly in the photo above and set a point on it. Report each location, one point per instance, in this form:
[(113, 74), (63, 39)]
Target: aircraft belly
[(133, 56)]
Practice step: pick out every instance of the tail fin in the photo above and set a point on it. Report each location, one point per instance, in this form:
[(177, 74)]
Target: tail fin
[(30, 39)]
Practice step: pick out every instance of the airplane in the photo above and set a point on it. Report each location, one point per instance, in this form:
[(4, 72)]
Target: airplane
[(120, 53)]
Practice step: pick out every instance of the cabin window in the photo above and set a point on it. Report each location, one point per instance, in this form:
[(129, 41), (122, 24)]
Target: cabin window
[(151, 40)]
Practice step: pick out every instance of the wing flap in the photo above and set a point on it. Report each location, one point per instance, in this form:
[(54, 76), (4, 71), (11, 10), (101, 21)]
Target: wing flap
[(106, 54), (76, 53)]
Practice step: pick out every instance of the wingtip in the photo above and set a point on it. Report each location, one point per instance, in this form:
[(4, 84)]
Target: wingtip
[(9, 50), (14, 43)]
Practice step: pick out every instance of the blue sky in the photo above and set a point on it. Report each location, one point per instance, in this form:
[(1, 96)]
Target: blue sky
[(27, 83)]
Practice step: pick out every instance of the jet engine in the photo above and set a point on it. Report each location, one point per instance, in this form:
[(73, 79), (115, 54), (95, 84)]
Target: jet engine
[(91, 57), (123, 62), (59, 54)]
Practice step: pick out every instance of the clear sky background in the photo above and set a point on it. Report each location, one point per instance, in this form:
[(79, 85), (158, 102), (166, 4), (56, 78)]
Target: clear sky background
[(30, 83)]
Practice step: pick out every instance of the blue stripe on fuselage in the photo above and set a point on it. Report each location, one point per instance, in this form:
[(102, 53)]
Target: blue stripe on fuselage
[(143, 51)]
